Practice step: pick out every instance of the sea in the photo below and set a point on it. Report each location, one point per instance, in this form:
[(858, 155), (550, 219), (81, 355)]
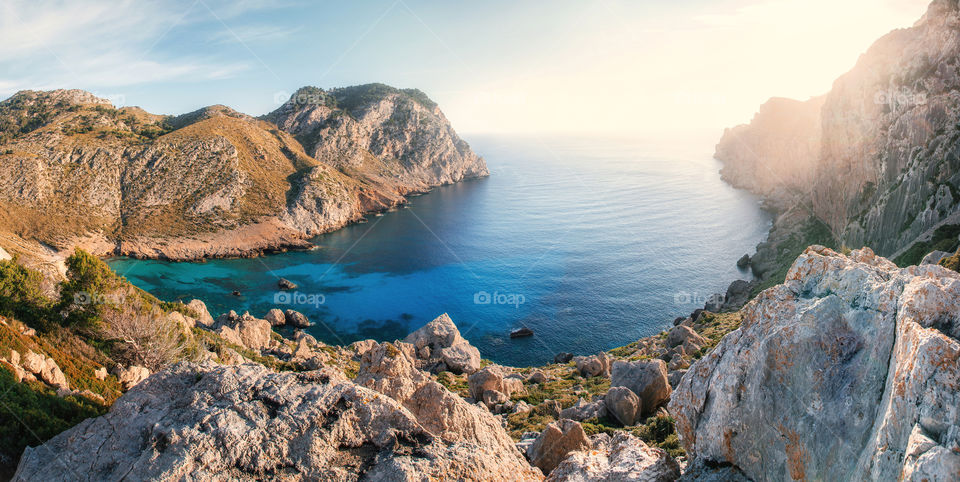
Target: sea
[(591, 242)]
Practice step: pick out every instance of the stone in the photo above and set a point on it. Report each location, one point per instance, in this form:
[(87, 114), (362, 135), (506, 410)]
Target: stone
[(738, 294), (681, 334), (440, 347), (646, 378), (492, 398), (252, 423), (276, 317), (5, 256), (362, 346), (593, 366), (934, 257), (556, 441), (624, 405), (522, 407), (14, 357), (675, 377), (678, 320), (848, 370), (624, 458), (285, 284), (744, 261), (537, 377), (296, 319), (100, 373), (199, 308), (563, 358), (131, 376), (584, 410), (490, 378), (34, 362), (550, 407), (52, 375), (246, 331)]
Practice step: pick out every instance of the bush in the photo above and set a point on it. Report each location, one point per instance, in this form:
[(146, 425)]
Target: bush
[(952, 262), (21, 295), (82, 296)]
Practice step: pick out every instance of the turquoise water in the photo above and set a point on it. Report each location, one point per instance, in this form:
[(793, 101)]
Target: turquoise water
[(592, 243)]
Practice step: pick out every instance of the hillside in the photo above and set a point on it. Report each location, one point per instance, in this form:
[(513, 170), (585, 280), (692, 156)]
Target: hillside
[(875, 160), (215, 182)]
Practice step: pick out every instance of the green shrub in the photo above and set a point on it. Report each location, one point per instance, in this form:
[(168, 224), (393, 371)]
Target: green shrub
[(21, 295)]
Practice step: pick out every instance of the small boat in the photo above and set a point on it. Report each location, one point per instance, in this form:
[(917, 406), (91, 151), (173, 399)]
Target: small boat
[(521, 332)]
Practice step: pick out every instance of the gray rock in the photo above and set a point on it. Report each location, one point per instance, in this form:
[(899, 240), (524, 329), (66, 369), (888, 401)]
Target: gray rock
[(846, 371), (131, 376), (439, 347), (490, 378), (624, 458), (556, 441), (253, 424), (738, 293), (744, 261), (296, 319), (584, 410), (276, 317), (682, 334), (199, 308), (285, 284), (935, 257), (646, 378), (624, 405), (675, 377), (593, 366), (563, 357)]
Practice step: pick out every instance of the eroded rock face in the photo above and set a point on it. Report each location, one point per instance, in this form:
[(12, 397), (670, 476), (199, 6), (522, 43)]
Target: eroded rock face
[(848, 370), (439, 347), (245, 422), (624, 458)]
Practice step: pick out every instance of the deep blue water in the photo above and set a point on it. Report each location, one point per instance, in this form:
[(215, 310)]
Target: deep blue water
[(592, 243)]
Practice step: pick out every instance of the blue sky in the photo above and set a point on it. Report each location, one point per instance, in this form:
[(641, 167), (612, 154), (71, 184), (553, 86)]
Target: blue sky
[(494, 66)]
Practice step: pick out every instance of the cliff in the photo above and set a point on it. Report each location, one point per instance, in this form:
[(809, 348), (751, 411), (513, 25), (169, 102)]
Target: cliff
[(215, 182), (876, 158)]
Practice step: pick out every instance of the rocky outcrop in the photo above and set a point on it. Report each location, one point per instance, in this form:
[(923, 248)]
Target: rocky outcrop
[(593, 366), (624, 405), (244, 330), (621, 458), (875, 159), (848, 370), (245, 422), (215, 182), (439, 346)]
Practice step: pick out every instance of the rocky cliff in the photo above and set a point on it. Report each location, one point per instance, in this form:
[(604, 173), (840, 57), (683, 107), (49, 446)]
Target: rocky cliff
[(216, 182), (848, 371), (876, 159)]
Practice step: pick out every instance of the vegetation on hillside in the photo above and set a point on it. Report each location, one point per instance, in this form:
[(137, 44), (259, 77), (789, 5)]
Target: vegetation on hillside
[(945, 238)]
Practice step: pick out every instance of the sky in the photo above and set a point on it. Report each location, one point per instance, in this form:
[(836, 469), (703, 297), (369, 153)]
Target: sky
[(620, 67)]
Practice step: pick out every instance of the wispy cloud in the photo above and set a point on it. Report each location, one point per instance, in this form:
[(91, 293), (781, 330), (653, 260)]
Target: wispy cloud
[(253, 33), (116, 43)]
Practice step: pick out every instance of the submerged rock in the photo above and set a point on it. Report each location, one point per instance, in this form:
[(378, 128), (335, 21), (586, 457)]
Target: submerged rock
[(848, 370)]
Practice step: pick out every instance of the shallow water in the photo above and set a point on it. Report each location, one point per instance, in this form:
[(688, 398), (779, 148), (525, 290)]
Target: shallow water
[(592, 243)]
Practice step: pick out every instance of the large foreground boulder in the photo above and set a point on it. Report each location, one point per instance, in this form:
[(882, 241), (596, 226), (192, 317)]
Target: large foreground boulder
[(439, 347), (245, 422), (557, 441), (847, 371)]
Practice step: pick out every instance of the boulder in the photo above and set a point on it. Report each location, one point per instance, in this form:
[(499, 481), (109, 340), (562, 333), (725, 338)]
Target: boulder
[(492, 398), (934, 257), (744, 261), (738, 294), (583, 410), (624, 458), (848, 370), (285, 284), (14, 357), (131, 376), (248, 423), (681, 334), (246, 331), (675, 377), (490, 378), (646, 378), (5, 256), (563, 357), (440, 347), (33, 362), (100, 373), (199, 308), (52, 375), (556, 441), (593, 366), (296, 319), (276, 317), (624, 405), (537, 377), (361, 347)]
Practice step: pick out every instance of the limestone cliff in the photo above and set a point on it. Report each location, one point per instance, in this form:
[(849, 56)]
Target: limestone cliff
[(877, 160), (215, 182)]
